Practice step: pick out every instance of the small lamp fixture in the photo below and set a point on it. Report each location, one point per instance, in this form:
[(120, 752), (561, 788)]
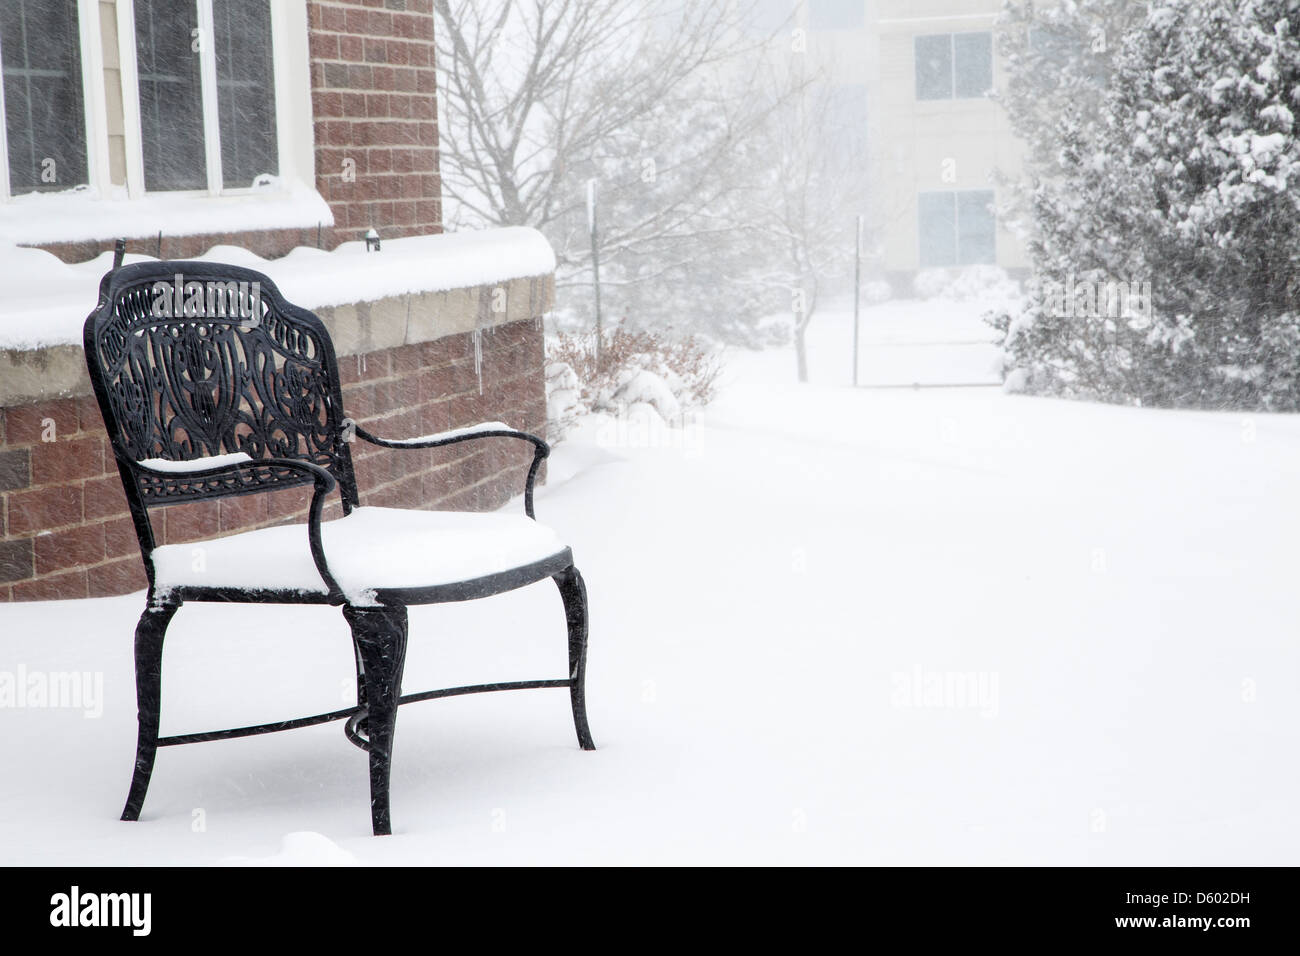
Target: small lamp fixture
[(372, 241)]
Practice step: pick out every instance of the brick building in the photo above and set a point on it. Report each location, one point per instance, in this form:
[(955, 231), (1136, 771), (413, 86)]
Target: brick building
[(181, 125)]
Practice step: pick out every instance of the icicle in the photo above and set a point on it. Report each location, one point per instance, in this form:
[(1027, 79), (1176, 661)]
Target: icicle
[(478, 358)]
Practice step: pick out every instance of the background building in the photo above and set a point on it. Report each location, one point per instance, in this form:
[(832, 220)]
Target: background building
[(916, 74), (938, 139)]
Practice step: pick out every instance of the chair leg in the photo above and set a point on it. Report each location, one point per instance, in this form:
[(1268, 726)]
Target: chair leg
[(149, 635), (379, 634), (361, 686), (574, 594)]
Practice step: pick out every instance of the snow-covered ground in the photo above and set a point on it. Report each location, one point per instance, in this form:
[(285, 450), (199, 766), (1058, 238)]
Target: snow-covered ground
[(828, 626), (931, 342)]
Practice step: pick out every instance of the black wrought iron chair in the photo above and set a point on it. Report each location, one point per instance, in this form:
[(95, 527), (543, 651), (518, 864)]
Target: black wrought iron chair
[(212, 385)]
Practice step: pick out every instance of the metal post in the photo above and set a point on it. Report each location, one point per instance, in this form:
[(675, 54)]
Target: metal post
[(857, 292), (595, 260)]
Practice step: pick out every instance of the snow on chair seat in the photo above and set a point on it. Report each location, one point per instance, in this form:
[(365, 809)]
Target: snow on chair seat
[(241, 396), (371, 550)]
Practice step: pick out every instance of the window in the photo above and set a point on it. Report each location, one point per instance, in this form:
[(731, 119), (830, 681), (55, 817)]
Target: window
[(765, 16), (43, 99), (245, 91), (836, 14), (975, 228), (206, 86), (956, 228), (847, 119), (934, 67), (171, 96), (972, 64), (954, 65), (214, 99)]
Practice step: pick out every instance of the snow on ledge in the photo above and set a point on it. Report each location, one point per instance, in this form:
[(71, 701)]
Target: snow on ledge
[(79, 215), (44, 301)]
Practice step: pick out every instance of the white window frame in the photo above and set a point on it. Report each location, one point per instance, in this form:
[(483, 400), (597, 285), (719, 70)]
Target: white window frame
[(290, 77), (94, 103)]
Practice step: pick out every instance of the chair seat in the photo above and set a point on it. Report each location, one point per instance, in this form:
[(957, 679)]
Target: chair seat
[(377, 555)]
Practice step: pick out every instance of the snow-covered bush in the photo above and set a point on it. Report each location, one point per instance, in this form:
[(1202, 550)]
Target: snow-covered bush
[(774, 331), (964, 284), (563, 397), (1164, 193), (876, 291), (642, 369)]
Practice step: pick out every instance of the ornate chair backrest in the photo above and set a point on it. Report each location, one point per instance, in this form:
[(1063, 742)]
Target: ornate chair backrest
[(192, 360)]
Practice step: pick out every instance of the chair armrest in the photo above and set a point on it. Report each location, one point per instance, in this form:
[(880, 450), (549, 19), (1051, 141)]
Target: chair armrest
[(482, 430), (234, 463)]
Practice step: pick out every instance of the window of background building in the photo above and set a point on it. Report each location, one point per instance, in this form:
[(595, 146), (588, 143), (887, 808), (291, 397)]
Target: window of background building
[(765, 16), (45, 131), (836, 14), (953, 65), (934, 67), (972, 64), (848, 118), (956, 228)]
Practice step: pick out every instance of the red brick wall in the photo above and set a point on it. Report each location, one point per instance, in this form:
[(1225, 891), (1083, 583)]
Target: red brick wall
[(375, 111), (65, 531)]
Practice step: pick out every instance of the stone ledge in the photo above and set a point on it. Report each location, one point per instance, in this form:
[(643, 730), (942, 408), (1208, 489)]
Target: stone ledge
[(59, 371), (36, 375)]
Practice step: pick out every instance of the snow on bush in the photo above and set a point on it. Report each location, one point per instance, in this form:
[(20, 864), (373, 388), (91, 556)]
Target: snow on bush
[(638, 371), (774, 331), (965, 284), (1163, 185), (563, 395), (876, 292)]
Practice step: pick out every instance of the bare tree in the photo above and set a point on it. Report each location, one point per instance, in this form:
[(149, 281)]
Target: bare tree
[(531, 87), (817, 185), (654, 98)]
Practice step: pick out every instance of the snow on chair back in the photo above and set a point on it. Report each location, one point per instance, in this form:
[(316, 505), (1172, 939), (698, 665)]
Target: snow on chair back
[(192, 361)]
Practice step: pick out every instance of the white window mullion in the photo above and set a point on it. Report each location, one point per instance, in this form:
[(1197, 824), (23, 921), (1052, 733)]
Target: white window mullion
[(98, 172), (211, 113), (292, 65), (4, 139), (287, 111), (130, 98), (952, 62), (956, 219)]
